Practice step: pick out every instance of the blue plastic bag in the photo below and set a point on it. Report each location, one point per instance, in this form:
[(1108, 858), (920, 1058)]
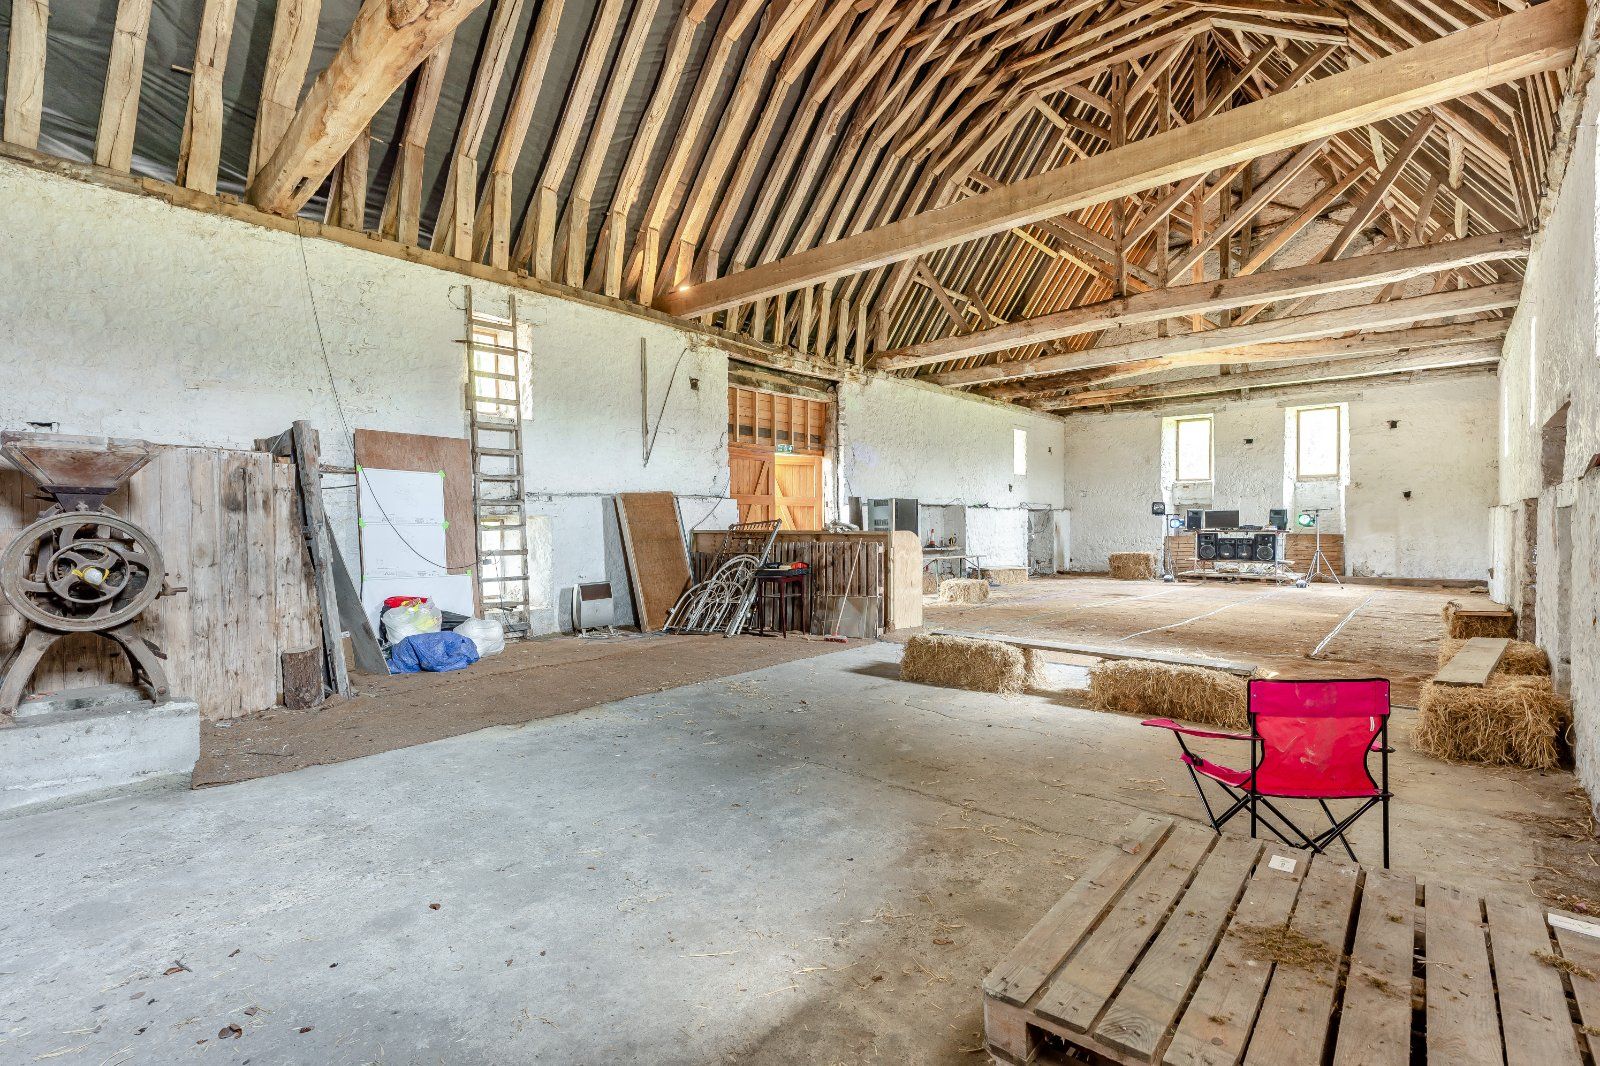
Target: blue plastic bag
[(438, 652)]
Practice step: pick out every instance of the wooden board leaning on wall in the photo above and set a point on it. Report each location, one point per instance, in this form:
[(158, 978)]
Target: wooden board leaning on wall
[(228, 529)]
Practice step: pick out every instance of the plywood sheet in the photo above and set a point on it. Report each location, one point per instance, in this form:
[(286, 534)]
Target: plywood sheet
[(448, 456), (658, 562)]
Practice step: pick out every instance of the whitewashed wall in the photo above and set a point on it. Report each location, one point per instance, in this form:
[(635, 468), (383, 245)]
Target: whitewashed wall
[(120, 315), (1442, 452), (899, 438), (1551, 359)]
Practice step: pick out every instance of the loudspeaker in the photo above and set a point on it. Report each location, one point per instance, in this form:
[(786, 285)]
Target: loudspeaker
[(1278, 518), (1194, 521), (1227, 548), (1159, 507), (1205, 545), (1266, 547)]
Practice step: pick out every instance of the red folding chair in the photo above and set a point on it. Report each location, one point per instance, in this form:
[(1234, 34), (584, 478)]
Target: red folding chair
[(1308, 740)]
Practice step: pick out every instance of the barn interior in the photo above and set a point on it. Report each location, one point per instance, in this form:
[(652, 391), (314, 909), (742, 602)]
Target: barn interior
[(799, 531)]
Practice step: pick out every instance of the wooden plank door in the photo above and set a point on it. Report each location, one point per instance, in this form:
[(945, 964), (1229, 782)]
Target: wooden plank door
[(751, 482), (799, 491)]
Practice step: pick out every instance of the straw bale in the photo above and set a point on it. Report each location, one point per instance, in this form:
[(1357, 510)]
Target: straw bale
[(1159, 690), (1133, 566), (1511, 721), (1460, 628), (963, 590), (960, 662)]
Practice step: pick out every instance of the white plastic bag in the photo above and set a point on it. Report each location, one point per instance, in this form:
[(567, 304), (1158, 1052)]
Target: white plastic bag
[(402, 622), (487, 634)]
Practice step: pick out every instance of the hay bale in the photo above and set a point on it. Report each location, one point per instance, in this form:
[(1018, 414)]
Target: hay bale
[(1157, 690), (1133, 566), (1006, 575), (963, 590), (1457, 627), (1511, 721), (930, 584), (1521, 659), (960, 662)]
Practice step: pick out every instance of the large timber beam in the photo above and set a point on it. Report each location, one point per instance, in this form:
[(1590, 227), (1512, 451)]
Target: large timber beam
[(1414, 338), (1328, 323), (1492, 53), (1300, 374), (386, 42), (1313, 279)]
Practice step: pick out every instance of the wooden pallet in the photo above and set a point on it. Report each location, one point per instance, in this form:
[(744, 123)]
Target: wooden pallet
[(1151, 958)]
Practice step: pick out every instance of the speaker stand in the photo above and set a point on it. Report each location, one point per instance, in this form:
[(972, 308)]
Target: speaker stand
[(1319, 562)]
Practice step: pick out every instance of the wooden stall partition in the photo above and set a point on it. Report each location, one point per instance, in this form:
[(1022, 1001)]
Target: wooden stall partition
[(798, 488), (228, 530), (895, 560)]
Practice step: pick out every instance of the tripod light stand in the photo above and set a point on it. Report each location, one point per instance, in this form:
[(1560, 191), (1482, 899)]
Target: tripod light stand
[(1312, 516)]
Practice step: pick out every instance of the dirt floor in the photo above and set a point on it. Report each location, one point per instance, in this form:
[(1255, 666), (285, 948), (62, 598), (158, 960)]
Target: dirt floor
[(1394, 632), (528, 681)]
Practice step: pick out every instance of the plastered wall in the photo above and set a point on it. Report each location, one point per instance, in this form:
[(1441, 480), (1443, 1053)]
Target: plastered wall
[(1442, 452), (900, 438), (123, 316), (1550, 361)]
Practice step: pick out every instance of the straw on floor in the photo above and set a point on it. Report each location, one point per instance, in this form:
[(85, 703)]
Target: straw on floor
[(1511, 721), (1133, 566), (978, 665), (1521, 658), (963, 590), (1157, 690), (1458, 627)]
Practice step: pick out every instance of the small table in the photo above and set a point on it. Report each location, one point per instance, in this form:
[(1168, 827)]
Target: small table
[(785, 592), (1169, 949), (933, 557)]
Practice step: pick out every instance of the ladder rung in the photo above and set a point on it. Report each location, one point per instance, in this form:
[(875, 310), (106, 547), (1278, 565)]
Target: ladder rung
[(495, 422), (480, 346), (499, 477), (493, 375), (502, 551), (509, 453)]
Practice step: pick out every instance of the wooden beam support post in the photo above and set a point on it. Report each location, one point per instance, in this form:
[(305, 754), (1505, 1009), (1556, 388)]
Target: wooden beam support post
[(1520, 44), (387, 41)]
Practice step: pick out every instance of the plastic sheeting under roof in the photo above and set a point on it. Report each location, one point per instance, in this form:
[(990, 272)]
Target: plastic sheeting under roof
[(79, 45)]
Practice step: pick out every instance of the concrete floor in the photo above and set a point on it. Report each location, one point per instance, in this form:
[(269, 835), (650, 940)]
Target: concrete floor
[(725, 872)]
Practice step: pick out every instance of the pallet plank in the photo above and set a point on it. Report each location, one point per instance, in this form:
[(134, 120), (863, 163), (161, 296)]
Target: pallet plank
[(1472, 665), (1533, 1003), (1375, 1018), (1462, 1025), (1579, 941), (1294, 1021), (1138, 1019), (1077, 994), (1215, 1028), (1054, 937)]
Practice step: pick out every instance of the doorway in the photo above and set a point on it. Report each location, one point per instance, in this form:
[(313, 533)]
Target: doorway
[(775, 453)]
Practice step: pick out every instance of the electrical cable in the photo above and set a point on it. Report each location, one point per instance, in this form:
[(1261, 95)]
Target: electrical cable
[(338, 403)]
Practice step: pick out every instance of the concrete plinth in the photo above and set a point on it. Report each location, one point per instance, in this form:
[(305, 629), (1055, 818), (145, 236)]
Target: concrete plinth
[(88, 743)]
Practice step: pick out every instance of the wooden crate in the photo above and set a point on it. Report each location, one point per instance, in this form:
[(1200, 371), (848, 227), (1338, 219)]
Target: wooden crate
[(1153, 956), (228, 527)]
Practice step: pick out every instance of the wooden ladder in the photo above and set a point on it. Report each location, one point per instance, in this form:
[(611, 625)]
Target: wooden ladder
[(494, 412)]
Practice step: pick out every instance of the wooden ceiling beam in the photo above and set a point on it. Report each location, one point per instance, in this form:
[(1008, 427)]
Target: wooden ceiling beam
[(1536, 39), (386, 42), (1328, 323), (1313, 279), (1484, 354)]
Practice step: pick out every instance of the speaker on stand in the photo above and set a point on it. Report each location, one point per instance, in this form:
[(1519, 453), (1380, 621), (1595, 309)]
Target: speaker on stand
[(1206, 546)]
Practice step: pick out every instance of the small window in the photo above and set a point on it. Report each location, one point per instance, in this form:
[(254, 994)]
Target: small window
[(1019, 452), (1194, 449), (1317, 442)]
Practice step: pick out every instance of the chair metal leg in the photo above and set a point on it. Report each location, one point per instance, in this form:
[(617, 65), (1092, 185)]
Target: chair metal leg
[(1336, 830)]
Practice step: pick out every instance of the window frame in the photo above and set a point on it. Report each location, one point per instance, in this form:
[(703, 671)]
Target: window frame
[(1300, 443), (1177, 447)]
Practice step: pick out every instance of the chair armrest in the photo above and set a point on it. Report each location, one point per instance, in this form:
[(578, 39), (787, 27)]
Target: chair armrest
[(1167, 723)]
